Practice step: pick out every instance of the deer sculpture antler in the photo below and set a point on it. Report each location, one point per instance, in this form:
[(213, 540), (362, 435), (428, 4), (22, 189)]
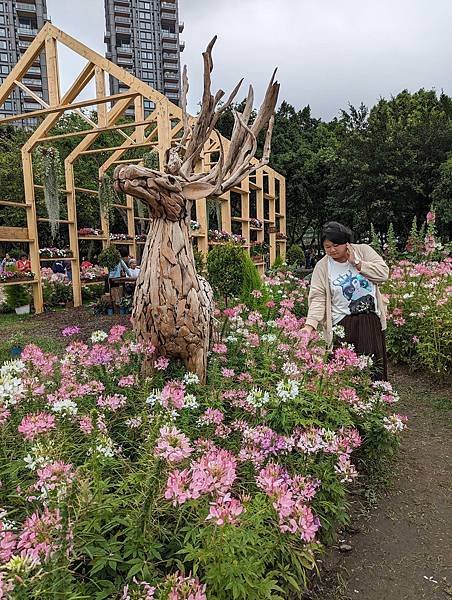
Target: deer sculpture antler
[(239, 161)]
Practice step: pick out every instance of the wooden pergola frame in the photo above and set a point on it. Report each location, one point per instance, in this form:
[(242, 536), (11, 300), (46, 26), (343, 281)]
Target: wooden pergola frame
[(166, 124)]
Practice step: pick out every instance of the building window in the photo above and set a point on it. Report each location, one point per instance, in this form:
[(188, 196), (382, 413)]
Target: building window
[(144, 35), (3, 57), (3, 45), (4, 69), (147, 65), (145, 25), (8, 105), (2, 32), (145, 5), (147, 55), (145, 16), (2, 19), (148, 46), (148, 75)]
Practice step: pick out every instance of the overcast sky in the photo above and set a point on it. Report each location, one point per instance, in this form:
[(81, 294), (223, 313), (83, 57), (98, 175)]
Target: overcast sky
[(329, 52)]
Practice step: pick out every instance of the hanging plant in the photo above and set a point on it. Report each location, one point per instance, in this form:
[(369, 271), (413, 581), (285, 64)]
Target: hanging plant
[(107, 195), (151, 160), (50, 172)]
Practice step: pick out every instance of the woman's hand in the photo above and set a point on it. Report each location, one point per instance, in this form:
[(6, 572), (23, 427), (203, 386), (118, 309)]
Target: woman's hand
[(351, 257), (308, 328)]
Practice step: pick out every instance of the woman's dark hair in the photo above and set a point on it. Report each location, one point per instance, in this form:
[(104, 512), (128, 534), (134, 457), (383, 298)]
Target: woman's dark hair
[(337, 233)]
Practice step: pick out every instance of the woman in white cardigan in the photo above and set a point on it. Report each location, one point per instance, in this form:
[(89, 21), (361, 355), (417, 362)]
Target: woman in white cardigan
[(344, 291)]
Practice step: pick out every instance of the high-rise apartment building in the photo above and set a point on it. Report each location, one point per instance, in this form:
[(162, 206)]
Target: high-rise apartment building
[(19, 24), (143, 37)]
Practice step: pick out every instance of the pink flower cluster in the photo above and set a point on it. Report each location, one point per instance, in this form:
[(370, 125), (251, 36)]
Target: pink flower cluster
[(290, 495), (33, 425), (172, 445), (113, 402), (225, 510), (214, 473), (172, 395), (186, 588)]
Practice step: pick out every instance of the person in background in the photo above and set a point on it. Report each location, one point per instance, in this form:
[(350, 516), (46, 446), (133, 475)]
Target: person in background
[(344, 291), (8, 260), (121, 268), (134, 270), (23, 264)]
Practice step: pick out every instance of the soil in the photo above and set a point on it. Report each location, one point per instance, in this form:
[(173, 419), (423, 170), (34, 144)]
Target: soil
[(402, 548), (52, 323)]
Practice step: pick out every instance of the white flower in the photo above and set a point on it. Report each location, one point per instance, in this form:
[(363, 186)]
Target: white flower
[(191, 378), (190, 401), (339, 331), (258, 398), (287, 390), (153, 398), (98, 336), (394, 424), (106, 447), (11, 390), (68, 407), (232, 339), (12, 367), (269, 337), (290, 369)]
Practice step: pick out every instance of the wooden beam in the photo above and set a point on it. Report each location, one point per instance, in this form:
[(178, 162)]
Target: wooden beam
[(71, 106), (15, 204), (16, 233), (100, 93), (53, 73), (24, 64), (114, 148), (84, 132)]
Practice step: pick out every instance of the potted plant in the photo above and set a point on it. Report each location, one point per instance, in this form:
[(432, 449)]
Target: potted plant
[(18, 297), (109, 257), (124, 305), (17, 342)]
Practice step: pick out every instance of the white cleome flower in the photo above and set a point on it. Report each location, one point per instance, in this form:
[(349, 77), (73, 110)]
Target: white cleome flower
[(98, 336)]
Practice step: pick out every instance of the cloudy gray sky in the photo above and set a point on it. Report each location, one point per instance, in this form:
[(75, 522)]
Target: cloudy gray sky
[(329, 52)]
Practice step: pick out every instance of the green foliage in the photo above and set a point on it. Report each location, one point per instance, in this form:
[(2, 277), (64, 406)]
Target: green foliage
[(151, 160), (442, 198), (251, 280), (49, 170), (109, 257), (17, 295), (107, 195), (374, 239), (200, 261), (295, 256), (225, 270), (391, 248)]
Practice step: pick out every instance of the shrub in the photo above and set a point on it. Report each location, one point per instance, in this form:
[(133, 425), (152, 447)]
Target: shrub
[(225, 270), (17, 295), (420, 315), (109, 257), (295, 256), (251, 280)]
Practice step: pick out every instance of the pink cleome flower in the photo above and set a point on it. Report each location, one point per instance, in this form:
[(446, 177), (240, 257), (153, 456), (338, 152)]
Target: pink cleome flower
[(225, 510), (33, 425), (172, 445)]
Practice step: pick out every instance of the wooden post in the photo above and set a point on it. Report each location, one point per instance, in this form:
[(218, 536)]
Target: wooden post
[(73, 237), (101, 93), (32, 225)]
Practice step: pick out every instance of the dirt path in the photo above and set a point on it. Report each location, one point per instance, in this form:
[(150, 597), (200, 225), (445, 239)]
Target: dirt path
[(402, 550)]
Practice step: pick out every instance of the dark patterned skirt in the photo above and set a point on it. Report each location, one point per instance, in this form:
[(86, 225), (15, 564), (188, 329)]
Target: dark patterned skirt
[(364, 332)]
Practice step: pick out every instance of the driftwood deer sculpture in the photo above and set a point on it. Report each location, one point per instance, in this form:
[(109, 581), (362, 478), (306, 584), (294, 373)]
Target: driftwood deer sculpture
[(173, 306)]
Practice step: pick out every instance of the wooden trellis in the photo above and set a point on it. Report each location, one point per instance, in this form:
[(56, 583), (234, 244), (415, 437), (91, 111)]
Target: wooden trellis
[(261, 196)]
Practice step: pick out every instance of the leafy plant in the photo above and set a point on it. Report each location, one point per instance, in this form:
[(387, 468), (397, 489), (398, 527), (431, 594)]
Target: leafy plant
[(295, 256), (17, 295), (225, 270), (107, 194), (109, 257), (50, 171)]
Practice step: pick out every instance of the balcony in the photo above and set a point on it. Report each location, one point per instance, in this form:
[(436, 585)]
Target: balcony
[(124, 50), (168, 5), (125, 30), (168, 16), (171, 75), (124, 10), (171, 86), (167, 56), (23, 44), (172, 96), (181, 27), (124, 20), (32, 82), (27, 31), (127, 62), (168, 46), (24, 7), (181, 46)]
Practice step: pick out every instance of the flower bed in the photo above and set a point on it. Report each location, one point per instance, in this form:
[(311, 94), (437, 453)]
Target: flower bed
[(120, 236), (89, 232), (215, 235), (115, 486), (13, 276), (55, 253), (93, 273), (420, 314)]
